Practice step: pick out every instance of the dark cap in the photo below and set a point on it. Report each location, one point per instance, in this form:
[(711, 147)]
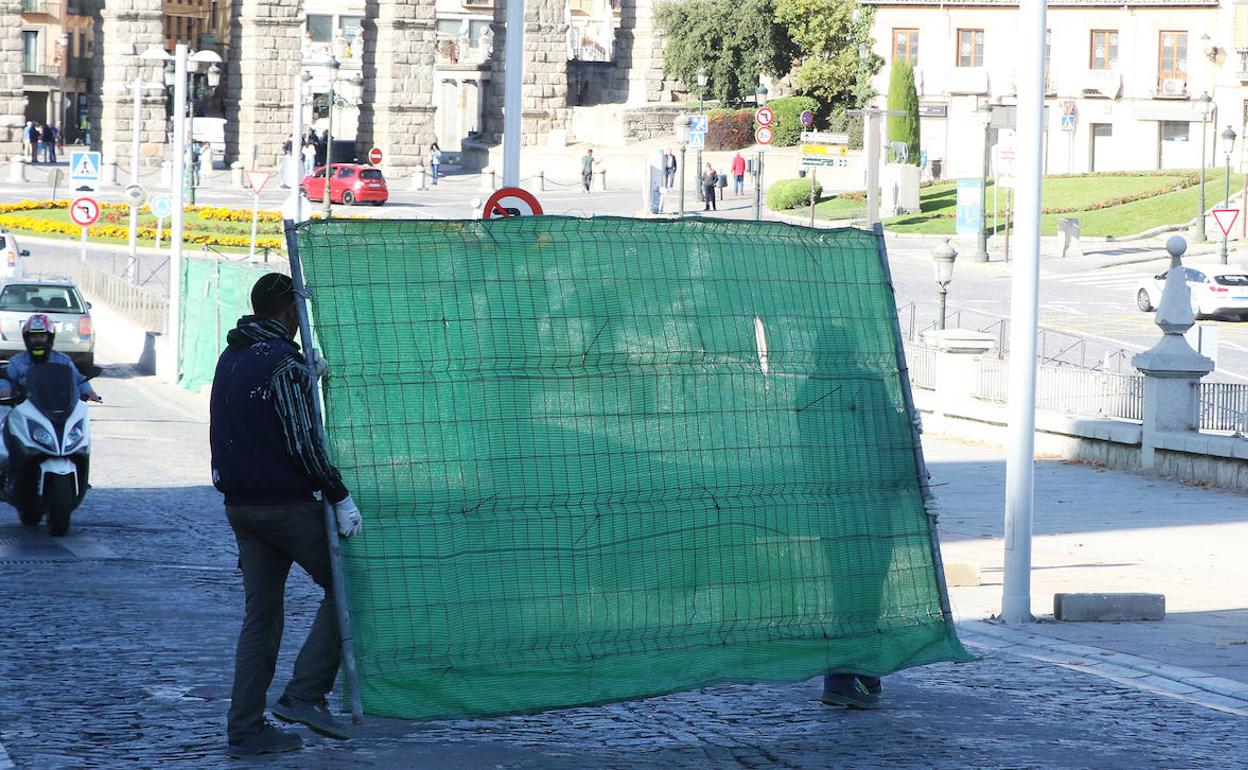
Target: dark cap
[(272, 294)]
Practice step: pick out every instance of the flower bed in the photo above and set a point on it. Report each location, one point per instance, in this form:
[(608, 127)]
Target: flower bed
[(111, 224)]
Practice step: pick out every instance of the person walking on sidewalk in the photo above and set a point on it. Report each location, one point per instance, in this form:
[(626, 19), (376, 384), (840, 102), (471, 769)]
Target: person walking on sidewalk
[(587, 169), (435, 160), (269, 463), (36, 143), (738, 174), (709, 180)]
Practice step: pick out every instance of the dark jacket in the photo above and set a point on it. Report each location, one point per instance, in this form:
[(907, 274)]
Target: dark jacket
[(265, 448)]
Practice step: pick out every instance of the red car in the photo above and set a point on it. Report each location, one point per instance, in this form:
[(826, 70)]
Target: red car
[(351, 184)]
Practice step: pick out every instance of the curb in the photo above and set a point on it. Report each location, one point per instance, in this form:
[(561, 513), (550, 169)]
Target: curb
[(1142, 673)]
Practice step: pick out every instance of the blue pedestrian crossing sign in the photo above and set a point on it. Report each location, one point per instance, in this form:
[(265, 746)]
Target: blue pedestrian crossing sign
[(84, 169), (1068, 122)]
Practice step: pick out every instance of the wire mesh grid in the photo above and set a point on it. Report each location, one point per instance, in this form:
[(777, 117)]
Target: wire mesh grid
[(605, 458)]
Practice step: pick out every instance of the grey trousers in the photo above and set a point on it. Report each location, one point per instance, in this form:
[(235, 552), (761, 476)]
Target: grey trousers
[(271, 538)]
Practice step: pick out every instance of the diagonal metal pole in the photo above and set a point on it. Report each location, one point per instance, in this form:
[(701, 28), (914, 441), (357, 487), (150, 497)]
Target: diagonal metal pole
[(331, 525)]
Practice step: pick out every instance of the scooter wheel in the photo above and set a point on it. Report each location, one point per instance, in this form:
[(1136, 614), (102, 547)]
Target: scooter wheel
[(30, 516), (58, 493)]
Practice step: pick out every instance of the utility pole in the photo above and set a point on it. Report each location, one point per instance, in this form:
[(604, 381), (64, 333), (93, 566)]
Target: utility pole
[(513, 75)]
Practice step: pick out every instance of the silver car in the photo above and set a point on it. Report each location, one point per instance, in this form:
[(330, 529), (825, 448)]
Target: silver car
[(62, 303)]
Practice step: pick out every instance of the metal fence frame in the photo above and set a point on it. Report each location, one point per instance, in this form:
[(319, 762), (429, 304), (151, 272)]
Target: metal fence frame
[(1224, 406)]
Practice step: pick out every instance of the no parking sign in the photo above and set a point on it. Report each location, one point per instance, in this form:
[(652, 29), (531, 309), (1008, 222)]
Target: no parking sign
[(511, 202)]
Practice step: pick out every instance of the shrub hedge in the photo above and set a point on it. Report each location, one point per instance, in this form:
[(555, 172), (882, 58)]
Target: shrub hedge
[(787, 127), (731, 131), (791, 193)]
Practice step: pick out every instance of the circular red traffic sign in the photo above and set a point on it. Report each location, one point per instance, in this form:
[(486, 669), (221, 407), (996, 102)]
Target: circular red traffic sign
[(84, 211), (374, 156), (763, 135), (511, 202), (764, 116)]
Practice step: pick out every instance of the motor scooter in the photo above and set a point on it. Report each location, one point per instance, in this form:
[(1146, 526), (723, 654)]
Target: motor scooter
[(45, 456)]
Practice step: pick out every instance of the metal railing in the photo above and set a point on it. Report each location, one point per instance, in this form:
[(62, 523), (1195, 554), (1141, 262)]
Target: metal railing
[(1085, 392), (147, 307), (921, 361), (46, 7), (1224, 406)]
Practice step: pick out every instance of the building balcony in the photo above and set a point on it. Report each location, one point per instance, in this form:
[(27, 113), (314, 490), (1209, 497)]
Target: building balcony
[(968, 80), (33, 69), (81, 7), (1105, 84), (42, 7)]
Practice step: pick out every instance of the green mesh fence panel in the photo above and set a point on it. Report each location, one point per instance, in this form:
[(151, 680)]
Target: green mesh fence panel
[(215, 294), (606, 458)]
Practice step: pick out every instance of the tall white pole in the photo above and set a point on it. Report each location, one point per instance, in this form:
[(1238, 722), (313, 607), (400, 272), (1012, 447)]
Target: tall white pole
[(872, 119), (1024, 298), (136, 120), (513, 76), (175, 222), (294, 174)]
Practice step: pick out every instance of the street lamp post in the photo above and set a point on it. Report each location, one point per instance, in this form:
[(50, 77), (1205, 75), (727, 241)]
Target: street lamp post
[(703, 78), (942, 261), (333, 101), (682, 139), (981, 247), (197, 91), (1203, 106), (294, 204), (1228, 147), (760, 99)]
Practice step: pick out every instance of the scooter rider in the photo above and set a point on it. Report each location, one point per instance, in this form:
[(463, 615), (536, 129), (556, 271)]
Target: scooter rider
[(39, 335)]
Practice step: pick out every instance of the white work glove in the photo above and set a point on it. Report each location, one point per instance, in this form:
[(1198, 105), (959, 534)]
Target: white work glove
[(349, 520), (319, 365)]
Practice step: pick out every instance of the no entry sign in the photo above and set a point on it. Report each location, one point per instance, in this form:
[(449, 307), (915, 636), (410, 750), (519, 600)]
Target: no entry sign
[(511, 202), (374, 156), (84, 211)]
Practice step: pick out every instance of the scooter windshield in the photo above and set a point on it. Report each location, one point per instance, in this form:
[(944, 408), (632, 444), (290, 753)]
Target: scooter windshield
[(50, 387)]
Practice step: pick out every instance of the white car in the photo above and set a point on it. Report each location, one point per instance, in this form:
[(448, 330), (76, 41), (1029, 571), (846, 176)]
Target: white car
[(1216, 290), (11, 256)]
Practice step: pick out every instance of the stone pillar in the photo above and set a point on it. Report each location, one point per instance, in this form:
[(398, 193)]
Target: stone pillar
[(957, 368), (265, 55), (124, 29), (545, 82), (640, 51), (1172, 370), (12, 114), (396, 113)]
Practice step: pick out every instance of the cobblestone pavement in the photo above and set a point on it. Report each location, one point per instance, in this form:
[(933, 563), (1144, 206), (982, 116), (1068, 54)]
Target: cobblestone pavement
[(119, 641)]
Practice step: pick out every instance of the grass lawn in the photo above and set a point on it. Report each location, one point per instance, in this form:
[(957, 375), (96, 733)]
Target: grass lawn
[(1166, 206)]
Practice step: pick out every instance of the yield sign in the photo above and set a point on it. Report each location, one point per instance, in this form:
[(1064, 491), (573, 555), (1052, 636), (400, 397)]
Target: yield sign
[(257, 180), (1225, 219)]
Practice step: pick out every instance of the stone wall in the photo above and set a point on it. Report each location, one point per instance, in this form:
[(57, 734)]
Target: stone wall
[(124, 29), (396, 114), (592, 83), (544, 93), (651, 122), (639, 53), (266, 53), (11, 112)]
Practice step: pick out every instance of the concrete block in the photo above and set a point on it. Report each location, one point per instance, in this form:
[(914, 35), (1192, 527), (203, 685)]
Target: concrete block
[(1108, 607), (961, 574)]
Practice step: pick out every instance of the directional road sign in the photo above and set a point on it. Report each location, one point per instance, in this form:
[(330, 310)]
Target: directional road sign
[(1225, 219), (511, 202), (84, 169), (84, 211)]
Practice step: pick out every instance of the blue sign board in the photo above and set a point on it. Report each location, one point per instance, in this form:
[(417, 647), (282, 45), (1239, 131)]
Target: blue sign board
[(1068, 123), (162, 206), (970, 207), (697, 124), (808, 118), (84, 169)]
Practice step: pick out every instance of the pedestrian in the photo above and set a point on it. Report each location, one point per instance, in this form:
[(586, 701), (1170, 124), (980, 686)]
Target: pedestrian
[(664, 163), (84, 127), (37, 153), (270, 464), (435, 160), (587, 168), (671, 170), (738, 174), (709, 180), (309, 157), (27, 139), (48, 134), (196, 149)]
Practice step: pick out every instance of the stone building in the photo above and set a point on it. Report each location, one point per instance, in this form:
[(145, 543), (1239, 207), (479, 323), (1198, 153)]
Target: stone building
[(432, 69)]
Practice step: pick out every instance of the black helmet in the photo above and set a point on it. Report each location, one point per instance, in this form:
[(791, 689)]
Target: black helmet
[(38, 324)]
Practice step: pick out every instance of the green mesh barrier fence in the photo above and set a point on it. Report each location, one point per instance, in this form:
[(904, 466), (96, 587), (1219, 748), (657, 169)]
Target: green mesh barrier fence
[(215, 294), (607, 458)]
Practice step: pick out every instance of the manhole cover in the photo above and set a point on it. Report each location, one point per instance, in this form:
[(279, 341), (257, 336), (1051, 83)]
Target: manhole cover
[(29, 549)]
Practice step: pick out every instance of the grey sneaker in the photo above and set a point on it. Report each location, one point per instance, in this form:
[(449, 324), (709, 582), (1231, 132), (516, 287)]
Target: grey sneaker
[(852, 691), (315, 715), (270, 740)]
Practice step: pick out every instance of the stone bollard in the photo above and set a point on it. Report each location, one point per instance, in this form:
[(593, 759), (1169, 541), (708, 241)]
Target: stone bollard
[(541, 181), (17, 169), (108, 173), (602, 180), (487, 180), (236, 175), (418, 178), (166, 173), (1172, 370), (957, 368)]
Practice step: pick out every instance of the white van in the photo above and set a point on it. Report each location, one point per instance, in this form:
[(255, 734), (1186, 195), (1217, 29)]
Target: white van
[(212, 131)]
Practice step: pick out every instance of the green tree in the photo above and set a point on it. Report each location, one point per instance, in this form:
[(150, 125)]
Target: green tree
[(833, 40), (733, 40), (903, 97)]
